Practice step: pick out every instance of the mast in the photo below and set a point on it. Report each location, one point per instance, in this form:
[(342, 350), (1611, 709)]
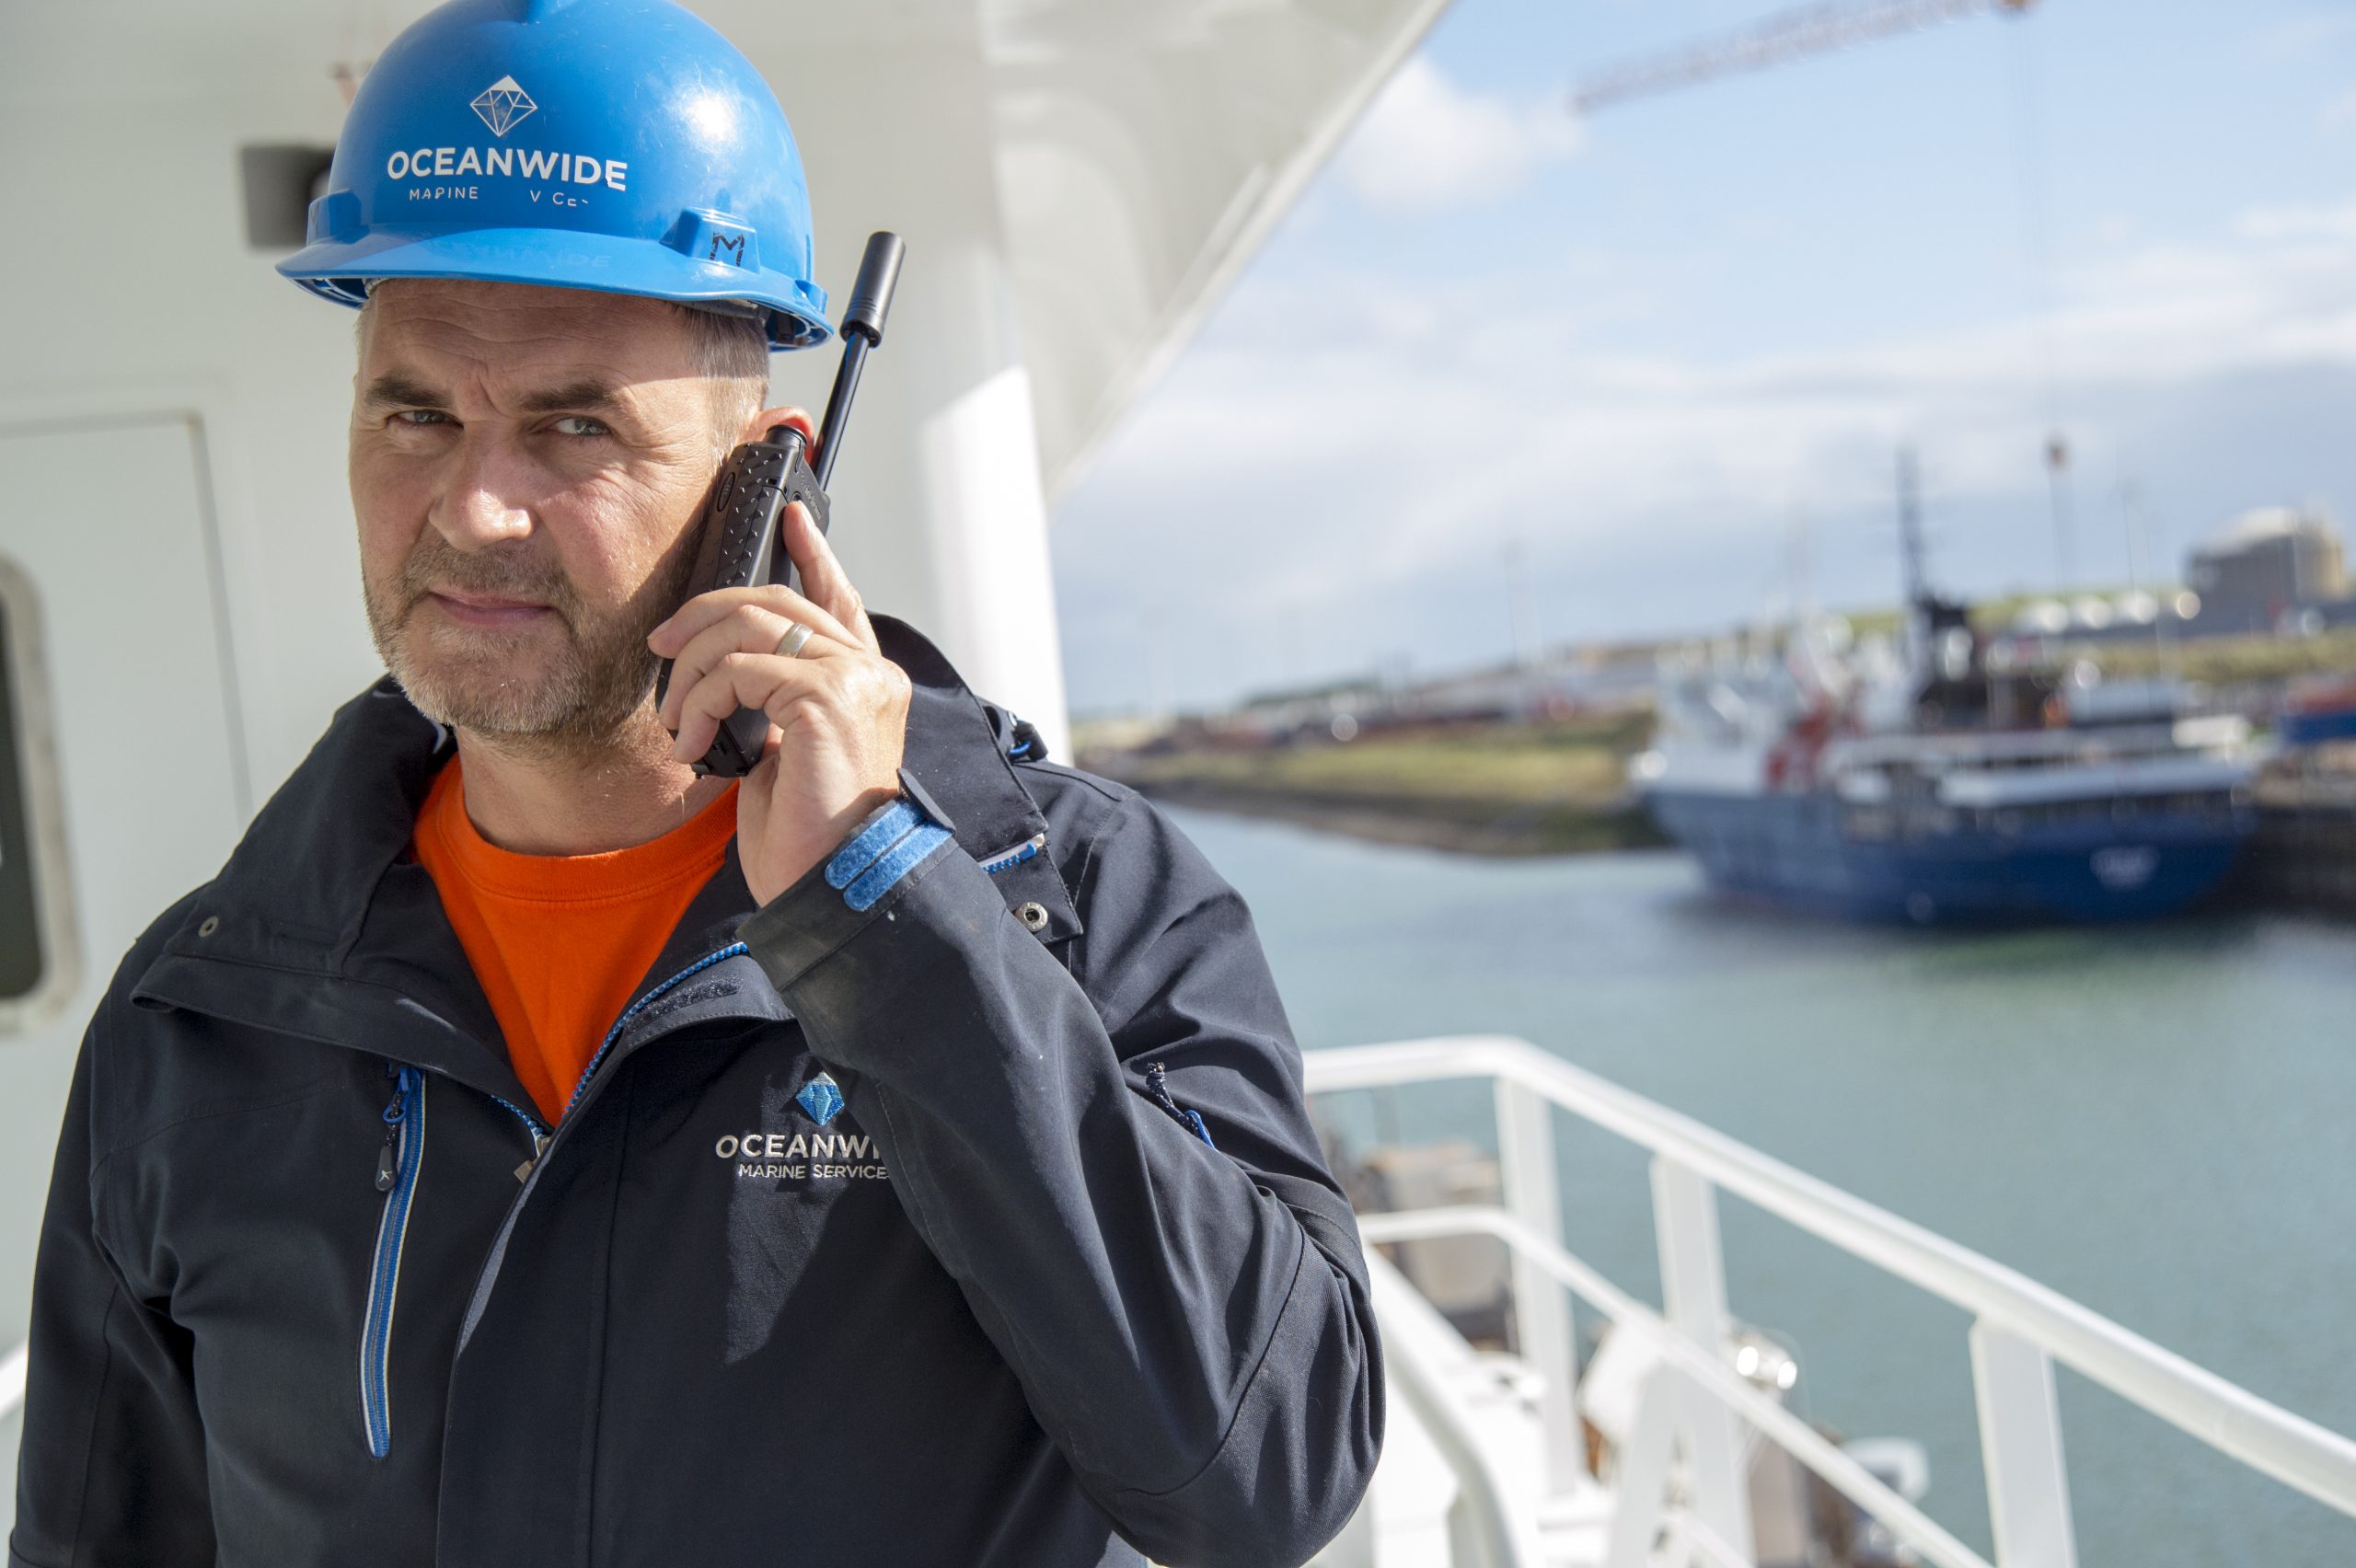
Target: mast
[(1910, 527)]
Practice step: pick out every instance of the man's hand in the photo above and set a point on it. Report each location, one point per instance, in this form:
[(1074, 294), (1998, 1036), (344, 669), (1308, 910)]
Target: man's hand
[(840, 708)]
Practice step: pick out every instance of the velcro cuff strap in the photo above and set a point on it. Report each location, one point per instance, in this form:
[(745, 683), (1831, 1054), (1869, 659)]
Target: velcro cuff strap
[(883, 827), (895, 863)]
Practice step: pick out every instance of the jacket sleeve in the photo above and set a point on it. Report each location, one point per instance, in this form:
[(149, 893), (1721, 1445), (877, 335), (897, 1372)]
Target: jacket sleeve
[(1186, 1307), (110, 1468)]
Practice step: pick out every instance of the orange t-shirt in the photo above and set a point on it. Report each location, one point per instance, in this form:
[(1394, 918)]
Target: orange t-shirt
[(560, 943)]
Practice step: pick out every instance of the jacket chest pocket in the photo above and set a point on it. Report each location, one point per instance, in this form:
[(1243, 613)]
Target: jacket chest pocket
[(397, 1167)]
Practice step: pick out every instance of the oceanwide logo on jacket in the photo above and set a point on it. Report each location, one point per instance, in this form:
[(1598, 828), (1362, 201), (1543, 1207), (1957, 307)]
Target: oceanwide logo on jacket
[(801, 1155)]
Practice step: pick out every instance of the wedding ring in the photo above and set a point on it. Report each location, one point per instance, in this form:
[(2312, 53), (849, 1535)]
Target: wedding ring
[(790, 643)]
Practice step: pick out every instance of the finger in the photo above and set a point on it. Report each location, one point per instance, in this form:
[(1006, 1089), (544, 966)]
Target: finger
[(749, 628), (741, 680), (823, 578), (704, 609)]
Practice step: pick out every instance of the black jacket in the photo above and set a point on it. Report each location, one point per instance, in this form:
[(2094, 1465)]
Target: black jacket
[(1046, 1261)]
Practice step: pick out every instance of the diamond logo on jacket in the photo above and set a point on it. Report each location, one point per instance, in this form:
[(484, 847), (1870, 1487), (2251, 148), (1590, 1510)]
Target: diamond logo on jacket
[(821, 1098), (502, 104)]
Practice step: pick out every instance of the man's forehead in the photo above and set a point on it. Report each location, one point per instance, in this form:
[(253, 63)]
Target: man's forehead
[(508, 331)]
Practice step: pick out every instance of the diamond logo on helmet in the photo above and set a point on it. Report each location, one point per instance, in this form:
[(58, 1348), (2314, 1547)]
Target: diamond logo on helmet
[(503, 103), (821, 1099)]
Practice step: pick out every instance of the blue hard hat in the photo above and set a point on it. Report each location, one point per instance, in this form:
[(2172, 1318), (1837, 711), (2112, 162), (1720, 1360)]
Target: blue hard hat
[(614, 144)]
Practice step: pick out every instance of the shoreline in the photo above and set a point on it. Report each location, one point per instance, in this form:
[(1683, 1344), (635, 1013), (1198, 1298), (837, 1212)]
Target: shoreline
[(1458, 826)]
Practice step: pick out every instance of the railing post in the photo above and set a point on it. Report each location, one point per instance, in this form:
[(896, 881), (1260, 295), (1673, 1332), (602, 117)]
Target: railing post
[(2020, 1443), (1542, 1308), (1693, 1299)]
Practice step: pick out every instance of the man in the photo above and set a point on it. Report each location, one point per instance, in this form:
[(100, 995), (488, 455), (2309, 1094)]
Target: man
[(529, 1152)]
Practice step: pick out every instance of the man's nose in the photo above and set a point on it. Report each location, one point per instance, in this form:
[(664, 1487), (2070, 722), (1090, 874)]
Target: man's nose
[(485, 496)]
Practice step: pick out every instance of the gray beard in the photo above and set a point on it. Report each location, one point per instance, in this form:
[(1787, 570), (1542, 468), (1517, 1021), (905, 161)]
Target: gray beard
[(581, 704)]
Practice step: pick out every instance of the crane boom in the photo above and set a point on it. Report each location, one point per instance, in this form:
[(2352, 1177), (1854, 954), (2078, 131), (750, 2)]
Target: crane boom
[(1785, 36)]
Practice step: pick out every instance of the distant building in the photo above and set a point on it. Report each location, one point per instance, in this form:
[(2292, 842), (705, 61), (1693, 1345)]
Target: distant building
[(2265, 566)]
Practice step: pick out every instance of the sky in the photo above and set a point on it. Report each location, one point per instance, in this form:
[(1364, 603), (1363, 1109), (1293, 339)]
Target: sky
[(1663, 358)]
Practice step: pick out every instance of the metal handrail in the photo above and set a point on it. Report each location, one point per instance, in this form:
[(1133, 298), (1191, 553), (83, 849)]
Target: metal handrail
[(1502, 1526), (1804, 1443), (2299, 1452)]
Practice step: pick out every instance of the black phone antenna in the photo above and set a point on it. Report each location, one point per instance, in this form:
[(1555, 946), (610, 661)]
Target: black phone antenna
[(871, 303)]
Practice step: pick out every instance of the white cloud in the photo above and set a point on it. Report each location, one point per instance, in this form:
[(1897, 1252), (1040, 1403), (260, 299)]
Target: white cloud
[(1426, 144), (1370, 459), (1338, 372)]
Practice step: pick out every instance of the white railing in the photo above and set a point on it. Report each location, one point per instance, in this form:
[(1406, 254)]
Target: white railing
[(1694, 1398), (12, 1382), (1421, 1357)]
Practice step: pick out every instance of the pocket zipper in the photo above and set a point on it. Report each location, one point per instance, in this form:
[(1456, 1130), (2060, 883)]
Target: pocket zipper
[(1156, 1079), (397, 1167)]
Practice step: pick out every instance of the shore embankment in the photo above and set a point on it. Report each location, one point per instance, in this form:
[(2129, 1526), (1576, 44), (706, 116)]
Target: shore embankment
[(1546, 788)]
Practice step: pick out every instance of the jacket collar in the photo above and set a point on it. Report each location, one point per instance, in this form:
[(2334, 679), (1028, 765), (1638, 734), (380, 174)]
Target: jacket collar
[(317, 891)]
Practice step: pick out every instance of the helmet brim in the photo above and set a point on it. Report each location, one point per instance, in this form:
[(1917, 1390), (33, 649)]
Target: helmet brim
[(560, 259)]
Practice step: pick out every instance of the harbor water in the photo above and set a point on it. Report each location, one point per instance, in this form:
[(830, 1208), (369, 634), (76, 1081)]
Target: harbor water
[(2159, 1121)]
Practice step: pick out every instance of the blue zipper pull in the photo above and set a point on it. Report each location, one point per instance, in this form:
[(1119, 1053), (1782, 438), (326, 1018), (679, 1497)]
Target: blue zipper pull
[(1156, 1079), (386, 1169), (1008, 859)]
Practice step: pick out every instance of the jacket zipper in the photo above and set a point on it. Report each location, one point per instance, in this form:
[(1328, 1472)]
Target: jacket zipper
[(606, 1046), (397, 1168), (543, 1134), (544, 1138), (532, 1124)]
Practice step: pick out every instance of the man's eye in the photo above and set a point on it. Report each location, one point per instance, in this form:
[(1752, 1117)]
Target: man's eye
[(414, 418), (579, 425)]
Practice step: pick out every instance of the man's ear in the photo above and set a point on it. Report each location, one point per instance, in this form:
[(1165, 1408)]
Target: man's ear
[(767, 419)]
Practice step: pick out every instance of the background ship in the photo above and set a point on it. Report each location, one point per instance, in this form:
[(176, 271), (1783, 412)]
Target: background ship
[(1940, 779)]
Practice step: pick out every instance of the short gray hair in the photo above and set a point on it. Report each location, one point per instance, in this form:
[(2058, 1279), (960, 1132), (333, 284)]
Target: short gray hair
[(732, 353)]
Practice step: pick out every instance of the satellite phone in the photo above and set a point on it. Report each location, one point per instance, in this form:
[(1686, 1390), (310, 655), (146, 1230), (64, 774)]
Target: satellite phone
[(742, 523)]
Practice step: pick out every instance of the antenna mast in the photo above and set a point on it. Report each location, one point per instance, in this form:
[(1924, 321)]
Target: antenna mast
[(1910, 527)]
